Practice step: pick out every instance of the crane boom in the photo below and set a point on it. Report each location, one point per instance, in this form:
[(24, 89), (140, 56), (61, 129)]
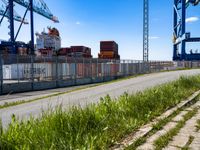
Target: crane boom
[(4, 11), (193, 2), (40, 7)]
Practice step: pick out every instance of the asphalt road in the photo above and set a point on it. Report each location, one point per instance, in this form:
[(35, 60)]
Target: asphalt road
[(26, 96), (92, 95)]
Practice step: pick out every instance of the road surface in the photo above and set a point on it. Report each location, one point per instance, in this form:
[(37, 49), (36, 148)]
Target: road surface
[(92, 95)]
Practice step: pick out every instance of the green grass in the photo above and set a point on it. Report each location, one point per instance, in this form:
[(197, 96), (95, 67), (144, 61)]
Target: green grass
[(96, 126), (137, 143), (163, 141)]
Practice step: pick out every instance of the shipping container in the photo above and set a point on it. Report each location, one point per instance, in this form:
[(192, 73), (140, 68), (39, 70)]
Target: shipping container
[(64, 51), (108, 50), (13, 72), (108, 45)]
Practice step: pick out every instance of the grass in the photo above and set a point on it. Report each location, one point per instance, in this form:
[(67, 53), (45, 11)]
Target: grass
[(137, 143), (96, 126), (163, 141)]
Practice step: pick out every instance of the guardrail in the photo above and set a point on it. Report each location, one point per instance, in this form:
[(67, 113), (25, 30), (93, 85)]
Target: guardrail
[(26, 73)]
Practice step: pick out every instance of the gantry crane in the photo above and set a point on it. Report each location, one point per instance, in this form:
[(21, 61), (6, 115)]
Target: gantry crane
[(37, 6), (5, 13), (40, 7), (146, 30), (180, 36)]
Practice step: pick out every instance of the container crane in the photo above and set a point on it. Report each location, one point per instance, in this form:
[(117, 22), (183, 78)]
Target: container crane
[(37, 6), (5, 13), (40, 7), (146, 30), (180, 36)]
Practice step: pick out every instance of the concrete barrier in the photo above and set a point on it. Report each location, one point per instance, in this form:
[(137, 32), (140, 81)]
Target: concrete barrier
[(44, 85), (16, 87)]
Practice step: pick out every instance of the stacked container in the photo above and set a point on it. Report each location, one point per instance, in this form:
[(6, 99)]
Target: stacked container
[(81, 51), (109, 50), (64, 51), (76, 51)]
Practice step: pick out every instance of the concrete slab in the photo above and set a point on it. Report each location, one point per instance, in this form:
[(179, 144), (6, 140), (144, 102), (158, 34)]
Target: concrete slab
[(179, 141), (180, 116), (172, 148)]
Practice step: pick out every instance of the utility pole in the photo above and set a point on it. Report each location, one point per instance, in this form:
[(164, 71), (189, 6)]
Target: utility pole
[(146, 31)]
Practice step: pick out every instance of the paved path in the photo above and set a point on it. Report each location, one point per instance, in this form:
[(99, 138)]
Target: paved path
[(188, 137), (92, 95)]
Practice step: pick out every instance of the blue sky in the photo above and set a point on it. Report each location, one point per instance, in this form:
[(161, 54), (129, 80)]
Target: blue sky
[(86, 22)]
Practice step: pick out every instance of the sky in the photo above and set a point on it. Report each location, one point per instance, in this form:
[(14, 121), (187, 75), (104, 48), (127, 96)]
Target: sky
[(87, 22)]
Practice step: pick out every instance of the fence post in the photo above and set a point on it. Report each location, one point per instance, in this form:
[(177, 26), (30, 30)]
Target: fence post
[(1, 74), (84, 72), (18, 69), (75, 71), (127, 65), (32, 72), (97, 68), (103, 70), (91, 71), (124, 68), (150, 67), (56, 71), (138, 67)]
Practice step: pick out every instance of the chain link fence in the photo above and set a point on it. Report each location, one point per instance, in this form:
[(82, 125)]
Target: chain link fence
[(26, 73)]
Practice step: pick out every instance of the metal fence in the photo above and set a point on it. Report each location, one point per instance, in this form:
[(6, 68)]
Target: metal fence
[(50, 72)]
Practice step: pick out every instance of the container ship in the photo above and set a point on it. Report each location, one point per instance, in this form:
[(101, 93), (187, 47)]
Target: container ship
[(48, 44)]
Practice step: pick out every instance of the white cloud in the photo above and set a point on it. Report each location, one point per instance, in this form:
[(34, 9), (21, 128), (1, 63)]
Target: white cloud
[(78, 23), (192, 19), (153, 37)]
